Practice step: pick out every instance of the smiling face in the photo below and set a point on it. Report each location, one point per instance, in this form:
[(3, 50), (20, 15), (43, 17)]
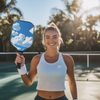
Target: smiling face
[(51, 39)]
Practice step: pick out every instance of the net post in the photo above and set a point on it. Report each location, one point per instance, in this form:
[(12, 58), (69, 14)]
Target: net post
[(88, 60)]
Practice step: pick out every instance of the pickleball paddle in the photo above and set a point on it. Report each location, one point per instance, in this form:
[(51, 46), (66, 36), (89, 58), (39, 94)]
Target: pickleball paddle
[(22, 36)]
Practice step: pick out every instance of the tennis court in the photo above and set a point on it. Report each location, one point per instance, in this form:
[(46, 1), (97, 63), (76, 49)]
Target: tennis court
[(12, 87)]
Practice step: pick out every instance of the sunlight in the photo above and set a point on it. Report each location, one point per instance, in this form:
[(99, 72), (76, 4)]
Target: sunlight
[(88, 4)]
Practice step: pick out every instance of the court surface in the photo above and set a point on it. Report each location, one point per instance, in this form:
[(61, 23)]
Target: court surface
[(87, 79)]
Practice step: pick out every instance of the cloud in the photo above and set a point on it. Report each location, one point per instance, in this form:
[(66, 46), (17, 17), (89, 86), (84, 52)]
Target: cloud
[(18, 39), (28, 41), (16, 26), (21, 40), (18, 48), (31, 30), (14, 33)]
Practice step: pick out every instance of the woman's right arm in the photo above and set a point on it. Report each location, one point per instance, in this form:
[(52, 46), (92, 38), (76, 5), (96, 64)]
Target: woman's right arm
[(29, 78)]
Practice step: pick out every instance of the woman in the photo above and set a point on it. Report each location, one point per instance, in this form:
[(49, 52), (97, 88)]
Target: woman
[(51, 68)]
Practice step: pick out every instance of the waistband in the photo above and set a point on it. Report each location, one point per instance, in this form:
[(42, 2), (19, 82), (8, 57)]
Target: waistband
[(40, 98)]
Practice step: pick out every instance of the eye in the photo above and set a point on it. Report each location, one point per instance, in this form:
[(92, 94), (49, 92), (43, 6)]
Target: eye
[(54, 37)]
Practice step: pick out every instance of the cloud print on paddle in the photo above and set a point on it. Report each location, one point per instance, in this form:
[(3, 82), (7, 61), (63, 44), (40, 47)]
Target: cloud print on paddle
[(18, 48), (16, 26), (22, 35), (14, 33), (21, 40), (31, 30)]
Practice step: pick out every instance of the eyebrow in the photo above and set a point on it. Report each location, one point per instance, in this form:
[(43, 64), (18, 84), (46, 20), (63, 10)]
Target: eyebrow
[(49, 36)]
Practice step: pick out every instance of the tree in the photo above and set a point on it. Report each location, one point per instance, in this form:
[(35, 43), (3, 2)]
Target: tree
[(5, 29), (91, 21), (61, 21), (6, 22), (89, 24), (72, 11), (37, 45), (8, 7)]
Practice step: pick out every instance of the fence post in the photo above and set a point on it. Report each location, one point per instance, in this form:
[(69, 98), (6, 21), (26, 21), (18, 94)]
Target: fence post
[(87, 60)]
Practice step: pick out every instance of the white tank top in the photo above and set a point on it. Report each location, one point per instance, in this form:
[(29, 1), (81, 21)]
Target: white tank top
[(51, 76)]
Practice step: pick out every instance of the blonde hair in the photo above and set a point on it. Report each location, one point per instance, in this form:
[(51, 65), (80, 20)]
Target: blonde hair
[(52, 26)]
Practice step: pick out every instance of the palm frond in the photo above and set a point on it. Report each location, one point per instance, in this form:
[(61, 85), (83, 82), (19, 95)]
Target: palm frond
[(17, 10), (56, 11), (10, 5)]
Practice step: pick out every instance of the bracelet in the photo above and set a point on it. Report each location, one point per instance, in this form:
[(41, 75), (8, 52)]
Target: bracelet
[(23, 70), (75, 99)]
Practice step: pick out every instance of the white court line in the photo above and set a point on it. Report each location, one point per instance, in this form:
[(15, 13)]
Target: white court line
[(5, 79)]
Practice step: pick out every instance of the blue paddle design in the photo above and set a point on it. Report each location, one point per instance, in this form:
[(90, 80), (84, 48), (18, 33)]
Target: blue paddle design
[(22, 36)]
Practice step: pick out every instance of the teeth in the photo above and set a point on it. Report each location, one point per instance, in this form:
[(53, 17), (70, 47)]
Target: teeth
[(51, 44)]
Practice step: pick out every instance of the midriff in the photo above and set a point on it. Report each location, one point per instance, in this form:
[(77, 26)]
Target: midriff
[(50, 94)]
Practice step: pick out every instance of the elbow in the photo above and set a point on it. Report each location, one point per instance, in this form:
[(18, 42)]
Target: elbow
[(28, 84), (27, 81)]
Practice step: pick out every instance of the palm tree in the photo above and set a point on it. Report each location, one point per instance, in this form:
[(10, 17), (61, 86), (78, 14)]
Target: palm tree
[(8, 7), (65, 26), (5, 29), (89, 12), (37, 44), (89, 24), (91, 20), (6, 22), (72, 11)]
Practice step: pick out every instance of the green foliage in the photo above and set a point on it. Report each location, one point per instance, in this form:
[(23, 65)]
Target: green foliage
[(37, 45), (7, 21), (8, 7), (70, 25)]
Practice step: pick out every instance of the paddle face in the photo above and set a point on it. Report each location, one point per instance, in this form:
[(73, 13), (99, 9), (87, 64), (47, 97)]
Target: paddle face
[(22, 35)]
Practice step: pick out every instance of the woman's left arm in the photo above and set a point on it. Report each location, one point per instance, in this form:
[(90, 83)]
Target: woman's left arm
[(71, 78)]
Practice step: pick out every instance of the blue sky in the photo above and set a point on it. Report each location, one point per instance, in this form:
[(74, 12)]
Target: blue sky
[(38, 11)]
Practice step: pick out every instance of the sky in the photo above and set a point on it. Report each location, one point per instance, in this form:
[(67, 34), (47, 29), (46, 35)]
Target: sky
[(39, 11)]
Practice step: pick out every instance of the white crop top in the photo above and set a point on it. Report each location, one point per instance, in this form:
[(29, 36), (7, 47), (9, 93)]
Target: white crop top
[(51, 76)]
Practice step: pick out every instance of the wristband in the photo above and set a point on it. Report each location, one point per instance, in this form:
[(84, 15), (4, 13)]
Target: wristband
[(75, 99), (22, 70)]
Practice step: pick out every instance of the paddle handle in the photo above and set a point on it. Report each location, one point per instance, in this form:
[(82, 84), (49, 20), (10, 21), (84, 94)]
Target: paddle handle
[(19, 64)]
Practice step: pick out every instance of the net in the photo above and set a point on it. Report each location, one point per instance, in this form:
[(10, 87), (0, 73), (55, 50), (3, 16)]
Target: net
[(87, 64)]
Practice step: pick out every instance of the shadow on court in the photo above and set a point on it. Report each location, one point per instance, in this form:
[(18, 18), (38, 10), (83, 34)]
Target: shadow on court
[(11, 90), (92, 73), (87, 79), (12, 86)]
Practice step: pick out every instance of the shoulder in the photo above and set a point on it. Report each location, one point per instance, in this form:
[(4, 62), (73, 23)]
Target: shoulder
[(68, 59), (35, 60), (36, 57)]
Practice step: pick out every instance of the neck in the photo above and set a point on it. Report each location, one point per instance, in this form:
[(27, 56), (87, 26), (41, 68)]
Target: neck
[(51, 53)]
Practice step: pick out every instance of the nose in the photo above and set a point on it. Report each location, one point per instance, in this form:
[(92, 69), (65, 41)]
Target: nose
[(51, 40)]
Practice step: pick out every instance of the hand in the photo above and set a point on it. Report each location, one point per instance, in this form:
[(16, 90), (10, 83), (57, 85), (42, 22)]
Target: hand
[(20, 59)]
